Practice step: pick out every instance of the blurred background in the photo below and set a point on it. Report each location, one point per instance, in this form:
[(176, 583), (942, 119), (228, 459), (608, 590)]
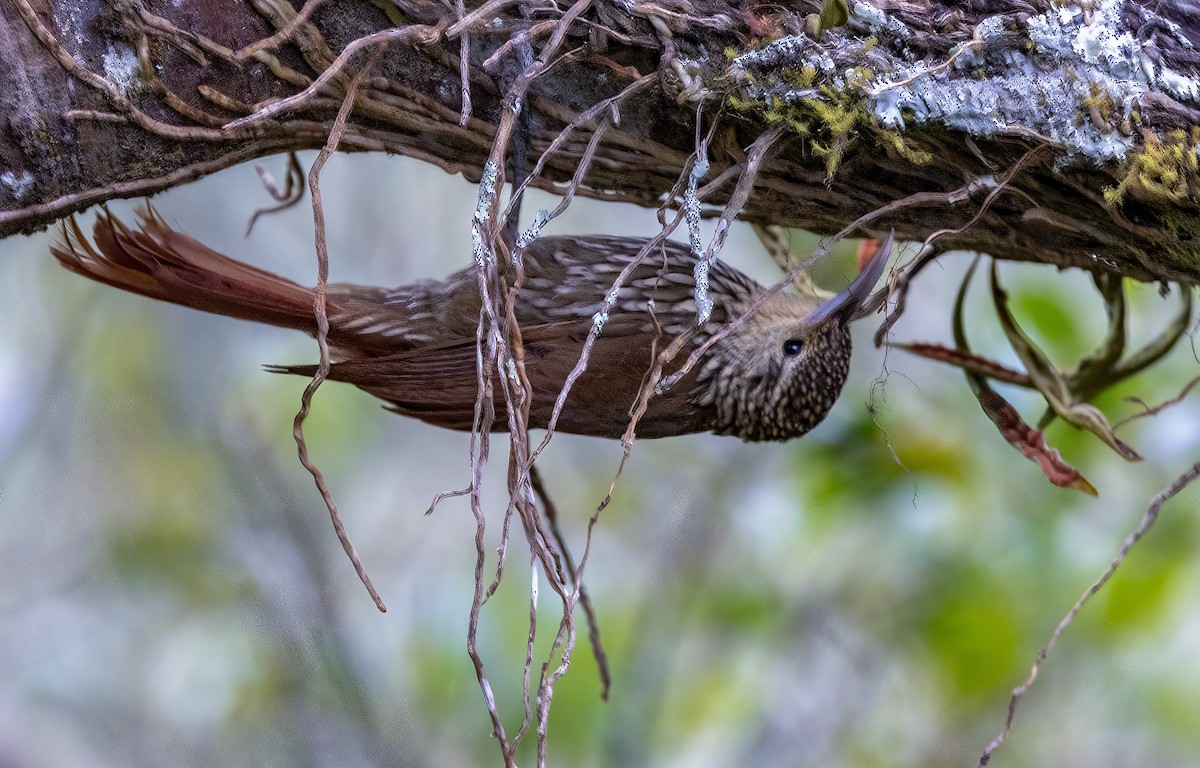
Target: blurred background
[(171, 591)]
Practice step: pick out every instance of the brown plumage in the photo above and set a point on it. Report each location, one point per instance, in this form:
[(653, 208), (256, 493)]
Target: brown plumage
[(774, 378)]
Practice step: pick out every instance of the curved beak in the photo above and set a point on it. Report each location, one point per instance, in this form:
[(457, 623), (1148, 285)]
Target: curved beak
[(857, 300)]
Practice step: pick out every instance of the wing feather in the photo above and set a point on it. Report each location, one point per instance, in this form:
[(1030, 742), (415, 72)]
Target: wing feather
[(439, 383)]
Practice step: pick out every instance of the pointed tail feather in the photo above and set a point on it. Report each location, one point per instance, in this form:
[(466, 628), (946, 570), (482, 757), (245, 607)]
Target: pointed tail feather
[(164, 264)]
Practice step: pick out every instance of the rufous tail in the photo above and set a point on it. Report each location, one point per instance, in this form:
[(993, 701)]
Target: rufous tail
[(161, 263)]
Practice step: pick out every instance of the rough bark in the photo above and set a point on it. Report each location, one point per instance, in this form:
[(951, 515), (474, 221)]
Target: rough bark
[(1044, 132)]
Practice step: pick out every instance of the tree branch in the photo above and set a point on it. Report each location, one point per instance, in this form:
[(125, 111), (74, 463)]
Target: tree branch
[(903, 100)]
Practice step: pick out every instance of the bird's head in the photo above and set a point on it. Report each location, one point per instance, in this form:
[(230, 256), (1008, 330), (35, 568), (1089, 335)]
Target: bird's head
[(780, 375)]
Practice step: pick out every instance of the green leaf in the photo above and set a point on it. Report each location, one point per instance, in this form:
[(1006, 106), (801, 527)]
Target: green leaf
[(834, 13)]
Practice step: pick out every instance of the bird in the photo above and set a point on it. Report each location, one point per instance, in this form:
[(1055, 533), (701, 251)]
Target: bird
[(772, 378)]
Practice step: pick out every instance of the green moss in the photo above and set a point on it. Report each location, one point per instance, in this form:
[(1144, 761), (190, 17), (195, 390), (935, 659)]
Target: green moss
[(840, 127), (1102, 108), (831, 120), (896, 142), (800, 77), (1164, 168), (739, 104)]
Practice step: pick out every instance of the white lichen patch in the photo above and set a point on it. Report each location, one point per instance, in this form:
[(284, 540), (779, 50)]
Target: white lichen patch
[(1076, 76), (875, 20), (799, 49), (1076, 58), (691, 212), (121, 67), (1050, 103), (526, 238), (480, 222), (68, 20), (1049, 89), (17, 183)]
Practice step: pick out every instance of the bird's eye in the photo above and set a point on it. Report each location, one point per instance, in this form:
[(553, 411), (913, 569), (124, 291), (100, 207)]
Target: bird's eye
[(792, 347)]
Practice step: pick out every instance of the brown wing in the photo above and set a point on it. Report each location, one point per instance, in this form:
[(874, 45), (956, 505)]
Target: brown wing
[(438, 383), (569, 278)]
